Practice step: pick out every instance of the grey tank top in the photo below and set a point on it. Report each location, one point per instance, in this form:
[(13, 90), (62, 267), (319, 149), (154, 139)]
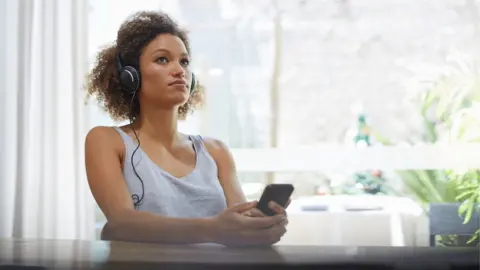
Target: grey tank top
[(199, 194)]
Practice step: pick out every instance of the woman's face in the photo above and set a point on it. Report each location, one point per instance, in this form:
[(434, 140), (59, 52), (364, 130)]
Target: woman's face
[(165, 73)]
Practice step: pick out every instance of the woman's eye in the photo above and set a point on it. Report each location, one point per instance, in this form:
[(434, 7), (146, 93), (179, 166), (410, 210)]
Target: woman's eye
[(162, 60), (185, 62)]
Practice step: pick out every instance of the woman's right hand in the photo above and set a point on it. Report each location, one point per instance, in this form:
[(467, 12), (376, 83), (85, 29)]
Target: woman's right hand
[(232, 228)]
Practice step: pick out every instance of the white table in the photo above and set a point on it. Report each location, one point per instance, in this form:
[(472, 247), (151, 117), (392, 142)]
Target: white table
[(400, 223)]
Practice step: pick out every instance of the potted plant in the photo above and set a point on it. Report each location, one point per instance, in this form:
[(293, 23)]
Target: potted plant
[(469, 186), (449, 107)]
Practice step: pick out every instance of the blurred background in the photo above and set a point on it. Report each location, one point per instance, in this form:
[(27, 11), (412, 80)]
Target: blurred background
[(369, 108)]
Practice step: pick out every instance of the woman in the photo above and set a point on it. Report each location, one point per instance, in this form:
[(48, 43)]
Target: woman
[(152, 182)]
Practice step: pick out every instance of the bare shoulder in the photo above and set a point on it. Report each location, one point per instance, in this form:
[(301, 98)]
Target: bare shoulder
[(216, 147), (101, 137), (227, 172)]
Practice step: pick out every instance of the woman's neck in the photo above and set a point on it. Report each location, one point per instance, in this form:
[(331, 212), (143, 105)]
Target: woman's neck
[(159, 125)]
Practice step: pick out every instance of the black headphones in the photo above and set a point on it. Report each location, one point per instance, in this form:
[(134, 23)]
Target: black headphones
[(130, 78)]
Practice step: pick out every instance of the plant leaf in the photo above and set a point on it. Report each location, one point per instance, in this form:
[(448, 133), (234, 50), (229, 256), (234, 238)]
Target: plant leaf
[(462, 196), (474, 237), (466, 209)]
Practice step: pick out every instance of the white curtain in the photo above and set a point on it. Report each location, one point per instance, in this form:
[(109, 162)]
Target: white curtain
[(43, 60)]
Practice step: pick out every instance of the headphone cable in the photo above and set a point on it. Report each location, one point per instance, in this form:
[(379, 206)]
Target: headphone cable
[(137, 200)]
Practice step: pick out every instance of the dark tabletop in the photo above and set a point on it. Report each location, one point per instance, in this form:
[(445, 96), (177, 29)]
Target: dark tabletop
[(75, 254)]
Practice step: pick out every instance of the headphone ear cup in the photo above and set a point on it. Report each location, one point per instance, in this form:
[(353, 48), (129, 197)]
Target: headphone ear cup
[(193, 83), (130, 79)]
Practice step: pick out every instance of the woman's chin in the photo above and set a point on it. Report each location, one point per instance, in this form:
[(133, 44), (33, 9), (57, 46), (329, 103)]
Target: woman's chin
[(179, 101), (171, 100), (175, 97)]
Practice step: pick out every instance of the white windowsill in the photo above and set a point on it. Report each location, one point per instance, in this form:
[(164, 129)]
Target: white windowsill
[(347, 158)]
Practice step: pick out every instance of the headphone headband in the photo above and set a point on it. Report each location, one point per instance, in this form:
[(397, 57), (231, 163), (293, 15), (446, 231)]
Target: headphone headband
[(118, 62)]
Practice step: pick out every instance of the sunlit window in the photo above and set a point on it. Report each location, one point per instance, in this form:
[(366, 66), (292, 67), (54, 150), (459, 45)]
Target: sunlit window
[(338, 80)]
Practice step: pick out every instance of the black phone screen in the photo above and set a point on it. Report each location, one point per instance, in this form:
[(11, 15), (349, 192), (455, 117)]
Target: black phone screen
[(279, 193)]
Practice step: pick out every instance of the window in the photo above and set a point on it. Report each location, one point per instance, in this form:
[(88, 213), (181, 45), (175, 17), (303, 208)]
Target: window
[(339, 61)]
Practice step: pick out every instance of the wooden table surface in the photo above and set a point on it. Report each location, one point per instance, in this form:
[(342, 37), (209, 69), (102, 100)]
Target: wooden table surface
[(75, 254)]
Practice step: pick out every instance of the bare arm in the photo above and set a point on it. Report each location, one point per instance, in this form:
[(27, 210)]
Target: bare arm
[(103, 159), (227, 173)]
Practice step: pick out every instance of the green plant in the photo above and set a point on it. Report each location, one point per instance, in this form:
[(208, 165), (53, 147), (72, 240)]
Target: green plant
[(465, 128), (442, 93), (424, 186), (448, 100), (429, 186), (468, 184)]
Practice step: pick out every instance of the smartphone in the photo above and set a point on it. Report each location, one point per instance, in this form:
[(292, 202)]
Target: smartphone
[(279, 193)]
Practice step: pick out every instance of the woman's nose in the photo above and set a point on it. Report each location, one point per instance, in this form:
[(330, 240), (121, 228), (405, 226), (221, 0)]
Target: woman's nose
[(178, 70)]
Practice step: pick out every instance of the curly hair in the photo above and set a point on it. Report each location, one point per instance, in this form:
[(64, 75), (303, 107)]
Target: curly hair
[(135, 33)]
